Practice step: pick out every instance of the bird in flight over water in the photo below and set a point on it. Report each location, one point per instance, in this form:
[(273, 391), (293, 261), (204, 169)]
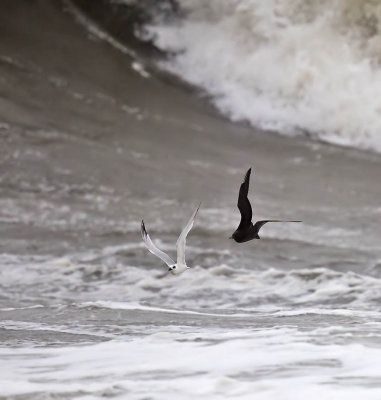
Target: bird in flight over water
[(246, 230), (180, 265)]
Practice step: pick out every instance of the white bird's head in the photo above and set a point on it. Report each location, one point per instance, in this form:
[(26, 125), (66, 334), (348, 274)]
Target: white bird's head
[(173, 269), (177, 269)]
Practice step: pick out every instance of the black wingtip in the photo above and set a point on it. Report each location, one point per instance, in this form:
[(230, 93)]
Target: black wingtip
[(143, 228), (198, 207), (247, 175)]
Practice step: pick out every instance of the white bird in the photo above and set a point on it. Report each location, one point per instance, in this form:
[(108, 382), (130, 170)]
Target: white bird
[(174, 267)]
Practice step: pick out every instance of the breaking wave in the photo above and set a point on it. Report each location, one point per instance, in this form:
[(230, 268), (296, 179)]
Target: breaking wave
[(310, 67)]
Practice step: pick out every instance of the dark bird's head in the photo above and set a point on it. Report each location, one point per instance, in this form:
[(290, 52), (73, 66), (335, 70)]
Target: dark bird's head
[(235, 236)]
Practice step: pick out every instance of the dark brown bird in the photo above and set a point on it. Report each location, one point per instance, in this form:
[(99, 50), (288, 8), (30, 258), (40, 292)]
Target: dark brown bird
[(246, 230)]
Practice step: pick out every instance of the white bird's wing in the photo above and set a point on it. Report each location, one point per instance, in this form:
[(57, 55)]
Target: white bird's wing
[(182, 239), (153, 249)]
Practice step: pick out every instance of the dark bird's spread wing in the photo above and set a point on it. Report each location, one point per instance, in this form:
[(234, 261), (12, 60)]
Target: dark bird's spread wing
[(258, 225), (244, 203)]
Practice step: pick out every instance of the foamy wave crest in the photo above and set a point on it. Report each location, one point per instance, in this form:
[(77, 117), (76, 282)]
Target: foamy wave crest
[(294, 66)]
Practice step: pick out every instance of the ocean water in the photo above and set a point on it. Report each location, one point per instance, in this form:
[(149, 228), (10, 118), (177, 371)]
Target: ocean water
[(94, 137), (293, 66)]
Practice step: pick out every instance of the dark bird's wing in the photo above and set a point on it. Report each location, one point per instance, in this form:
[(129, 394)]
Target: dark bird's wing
[(258, 225), (153, 249), (244, 203)]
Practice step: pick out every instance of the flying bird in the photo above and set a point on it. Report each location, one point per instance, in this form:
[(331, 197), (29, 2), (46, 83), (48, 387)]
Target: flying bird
[(246, 230), (174, 267)]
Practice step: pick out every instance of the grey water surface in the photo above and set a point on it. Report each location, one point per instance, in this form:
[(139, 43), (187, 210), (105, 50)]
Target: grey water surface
[(92, 140)]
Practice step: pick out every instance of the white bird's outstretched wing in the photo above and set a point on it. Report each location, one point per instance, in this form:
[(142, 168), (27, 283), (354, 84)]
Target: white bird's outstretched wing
[(153, 249), (182, 239)]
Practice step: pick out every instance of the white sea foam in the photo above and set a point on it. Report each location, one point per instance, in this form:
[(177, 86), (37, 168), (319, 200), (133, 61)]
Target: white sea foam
[(141, 307), (276, 363), (293, 66), (95, 30), (214, 332), (200, 291)]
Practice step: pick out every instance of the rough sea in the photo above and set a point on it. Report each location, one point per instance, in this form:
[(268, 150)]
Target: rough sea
[(115, 111)]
